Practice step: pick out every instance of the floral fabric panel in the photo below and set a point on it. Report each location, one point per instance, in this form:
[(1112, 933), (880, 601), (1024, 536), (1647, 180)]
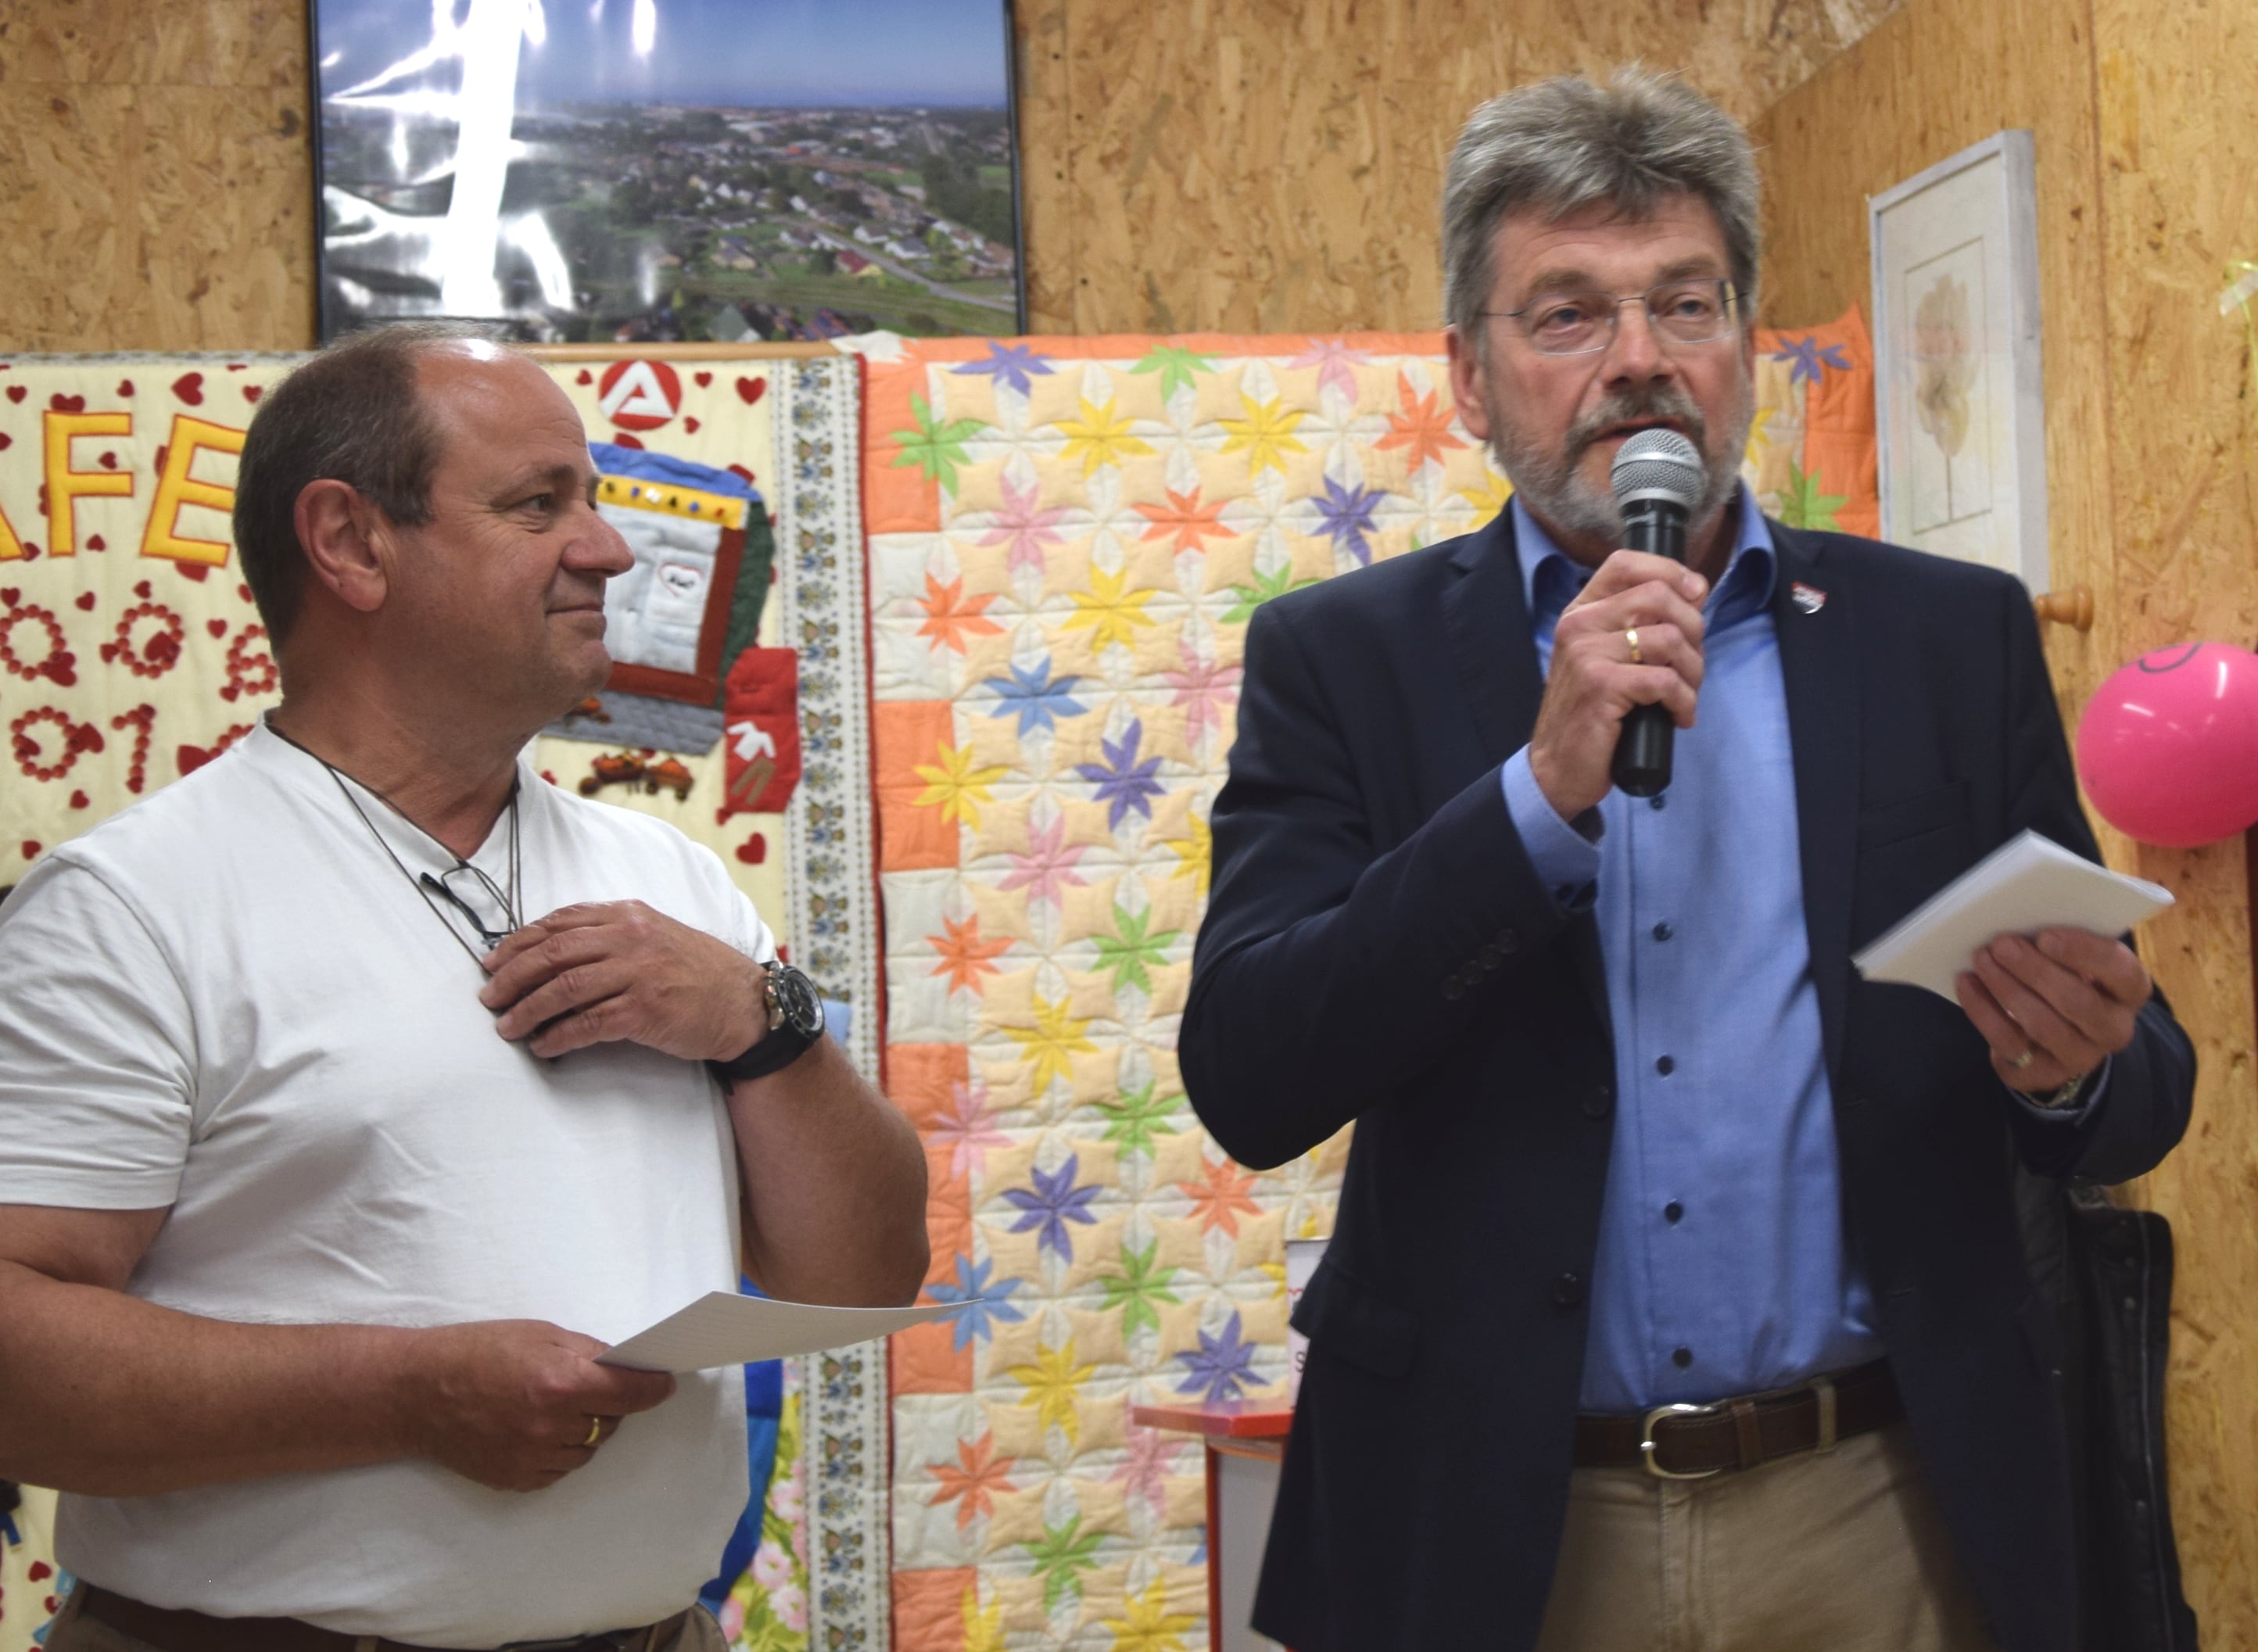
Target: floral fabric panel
[(1813, 452), (1068, 539)]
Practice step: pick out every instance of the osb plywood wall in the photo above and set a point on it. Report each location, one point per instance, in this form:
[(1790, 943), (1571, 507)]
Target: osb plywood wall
[(1275, 165), (156, 175), (1243, 164), (2144, 168)]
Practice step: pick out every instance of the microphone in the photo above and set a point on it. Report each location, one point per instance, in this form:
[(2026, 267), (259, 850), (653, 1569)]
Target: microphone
[(1657, 477)]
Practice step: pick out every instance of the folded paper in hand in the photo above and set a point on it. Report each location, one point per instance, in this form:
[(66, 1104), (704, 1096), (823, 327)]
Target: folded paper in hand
[(2027, 884), (723, 1329)]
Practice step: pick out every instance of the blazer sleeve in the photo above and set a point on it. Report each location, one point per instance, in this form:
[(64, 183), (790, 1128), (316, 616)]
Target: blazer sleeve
[(1330, 970), (2144, 1110)]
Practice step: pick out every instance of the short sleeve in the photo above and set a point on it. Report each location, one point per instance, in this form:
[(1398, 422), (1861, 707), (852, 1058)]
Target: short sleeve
[(97, 1066)]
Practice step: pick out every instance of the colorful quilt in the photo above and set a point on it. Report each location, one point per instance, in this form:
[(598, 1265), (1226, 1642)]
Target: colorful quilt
[(1067, 538)]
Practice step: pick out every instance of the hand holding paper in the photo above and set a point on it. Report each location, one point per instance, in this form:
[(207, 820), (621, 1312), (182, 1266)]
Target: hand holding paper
[(723, 1329), (2023, 942)]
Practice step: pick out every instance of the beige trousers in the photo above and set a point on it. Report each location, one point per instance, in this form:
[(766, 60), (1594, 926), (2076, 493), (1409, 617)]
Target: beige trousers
[(72, 1632), (1837, 1552)]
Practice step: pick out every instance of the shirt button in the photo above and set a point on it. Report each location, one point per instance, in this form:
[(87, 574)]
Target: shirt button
[(1672, 1211), (1665, 1066), (1568, 1290), (1600, 1102), (1663, 932), (1681, 1358), (1659, 800)]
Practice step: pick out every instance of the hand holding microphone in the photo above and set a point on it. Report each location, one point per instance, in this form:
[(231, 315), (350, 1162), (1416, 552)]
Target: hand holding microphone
[(1629, 644)]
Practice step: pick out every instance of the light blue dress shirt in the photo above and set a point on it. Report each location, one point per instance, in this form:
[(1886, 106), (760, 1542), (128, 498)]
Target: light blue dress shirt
[(1723, 1266)]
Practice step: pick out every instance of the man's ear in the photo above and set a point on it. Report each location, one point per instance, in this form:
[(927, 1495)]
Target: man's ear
[(341, 533), (1467, 371)]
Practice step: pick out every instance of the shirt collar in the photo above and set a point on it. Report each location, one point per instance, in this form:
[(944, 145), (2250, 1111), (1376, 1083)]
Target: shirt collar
[(1550, 581)]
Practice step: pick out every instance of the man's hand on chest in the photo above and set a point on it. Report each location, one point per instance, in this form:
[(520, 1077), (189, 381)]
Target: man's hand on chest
[(596, 972)]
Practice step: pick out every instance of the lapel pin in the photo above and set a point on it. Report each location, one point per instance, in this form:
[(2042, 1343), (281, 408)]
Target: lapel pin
[(1810, 598)]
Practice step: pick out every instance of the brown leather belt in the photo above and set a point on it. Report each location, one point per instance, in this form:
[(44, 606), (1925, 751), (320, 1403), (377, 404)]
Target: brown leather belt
[(1692, 1443), (170, 1630)]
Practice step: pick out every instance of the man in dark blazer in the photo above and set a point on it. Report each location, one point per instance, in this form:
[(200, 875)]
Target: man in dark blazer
[(1676, 1297)]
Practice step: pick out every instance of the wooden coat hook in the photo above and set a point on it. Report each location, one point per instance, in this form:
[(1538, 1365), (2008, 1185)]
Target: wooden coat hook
[(2073, 607)]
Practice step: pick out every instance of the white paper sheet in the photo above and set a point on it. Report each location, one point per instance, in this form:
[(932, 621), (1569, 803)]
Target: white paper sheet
[(723, 1329), (2027, 884)]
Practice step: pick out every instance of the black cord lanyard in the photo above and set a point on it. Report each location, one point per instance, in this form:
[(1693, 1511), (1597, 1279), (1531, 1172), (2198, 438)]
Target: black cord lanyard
[(424, 885)]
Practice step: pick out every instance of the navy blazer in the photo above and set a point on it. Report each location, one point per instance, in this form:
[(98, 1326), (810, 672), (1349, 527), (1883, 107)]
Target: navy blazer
[(1379, 949)]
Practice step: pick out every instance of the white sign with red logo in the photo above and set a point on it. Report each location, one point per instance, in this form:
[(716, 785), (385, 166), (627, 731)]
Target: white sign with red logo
[(639, 395)]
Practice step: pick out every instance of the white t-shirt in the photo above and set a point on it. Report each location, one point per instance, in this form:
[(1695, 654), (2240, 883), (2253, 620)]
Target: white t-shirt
[(229, 1000)]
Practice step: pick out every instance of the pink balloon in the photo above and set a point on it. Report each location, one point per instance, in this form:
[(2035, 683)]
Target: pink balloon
[(2168, 748)]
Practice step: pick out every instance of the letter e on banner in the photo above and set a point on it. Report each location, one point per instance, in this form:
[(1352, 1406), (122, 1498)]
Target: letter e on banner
[(176, 488), (639, 395), (65, 487)]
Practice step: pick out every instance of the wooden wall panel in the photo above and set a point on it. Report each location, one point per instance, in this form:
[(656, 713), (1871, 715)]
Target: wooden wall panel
[(1276, 166), (2144, 194), (156, 175)]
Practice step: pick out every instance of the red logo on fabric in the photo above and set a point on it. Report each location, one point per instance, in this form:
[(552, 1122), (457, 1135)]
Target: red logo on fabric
[(639, 395), (760, 705)]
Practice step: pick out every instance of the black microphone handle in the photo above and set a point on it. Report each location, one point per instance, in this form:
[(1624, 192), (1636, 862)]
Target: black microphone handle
[(1641, 768)]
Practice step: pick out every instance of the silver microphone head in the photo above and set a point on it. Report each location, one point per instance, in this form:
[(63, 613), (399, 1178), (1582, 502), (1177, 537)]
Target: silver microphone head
[(1656, 464)]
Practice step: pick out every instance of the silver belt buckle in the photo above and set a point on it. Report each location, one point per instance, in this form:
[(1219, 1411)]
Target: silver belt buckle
[(1646, 1443)]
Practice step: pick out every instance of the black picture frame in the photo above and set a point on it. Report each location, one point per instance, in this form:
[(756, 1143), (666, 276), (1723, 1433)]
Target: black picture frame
[(608, 229)]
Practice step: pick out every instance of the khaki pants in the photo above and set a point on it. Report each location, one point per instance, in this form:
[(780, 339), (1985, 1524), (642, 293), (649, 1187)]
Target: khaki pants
[(1839, 1552), (72, 1632)]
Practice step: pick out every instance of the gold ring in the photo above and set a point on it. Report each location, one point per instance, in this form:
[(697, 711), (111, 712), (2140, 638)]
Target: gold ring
[(1631, 637), (595, 1432), (2029, 1054)]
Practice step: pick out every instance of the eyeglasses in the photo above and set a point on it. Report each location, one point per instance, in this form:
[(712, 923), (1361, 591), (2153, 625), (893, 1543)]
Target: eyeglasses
[(1577, 323), (476, 886)]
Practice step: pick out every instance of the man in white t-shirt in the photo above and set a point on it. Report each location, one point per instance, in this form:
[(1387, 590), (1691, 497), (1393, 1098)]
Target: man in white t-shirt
[(359, 1089)]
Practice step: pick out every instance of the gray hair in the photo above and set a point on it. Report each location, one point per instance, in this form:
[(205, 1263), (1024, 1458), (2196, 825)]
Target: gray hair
[(1565, 144), (353, 414)]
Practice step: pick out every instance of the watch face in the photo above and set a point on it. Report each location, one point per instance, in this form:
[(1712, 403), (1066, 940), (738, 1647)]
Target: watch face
[(796, 997)]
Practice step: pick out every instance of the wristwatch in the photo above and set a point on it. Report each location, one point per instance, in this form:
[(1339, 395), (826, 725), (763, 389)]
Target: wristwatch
[(795, 1012), (2064, 1096)]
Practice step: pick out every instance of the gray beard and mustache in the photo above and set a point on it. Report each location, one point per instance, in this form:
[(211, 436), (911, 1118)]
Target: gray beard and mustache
[(1554, 490)]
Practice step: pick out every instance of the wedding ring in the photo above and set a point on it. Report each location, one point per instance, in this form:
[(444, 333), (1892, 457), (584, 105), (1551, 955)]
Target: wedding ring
[(1631, 637), (595, 1432), (2030, 1054)]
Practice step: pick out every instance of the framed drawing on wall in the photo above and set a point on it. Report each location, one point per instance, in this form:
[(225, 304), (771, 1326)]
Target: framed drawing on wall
[(655, 171), (1961, 415)]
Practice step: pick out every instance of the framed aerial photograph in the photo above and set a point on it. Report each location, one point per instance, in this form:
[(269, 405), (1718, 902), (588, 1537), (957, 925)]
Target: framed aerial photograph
[(1960, 414), (646, 171)]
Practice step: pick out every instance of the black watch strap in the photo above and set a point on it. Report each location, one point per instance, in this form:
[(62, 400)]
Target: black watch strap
[(795, 1017), (772, 1052)]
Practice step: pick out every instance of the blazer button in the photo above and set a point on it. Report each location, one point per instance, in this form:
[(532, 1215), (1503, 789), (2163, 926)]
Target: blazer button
[(1568, 1290), (1600, 1101), (1454, 988)]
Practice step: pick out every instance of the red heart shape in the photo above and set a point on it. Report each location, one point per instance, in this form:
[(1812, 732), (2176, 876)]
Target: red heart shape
[(243, 591), (585, 378), (691, 425), (31, 550), (235, 366), (217, 628), (96, 542), (125, 387), (63, 403), (621, 439), (189, 386), (109, 461), (6, 440), (86, 602), (52, 1604), (79, 800), (141, 590), (9, 595), (31, 853), (754, 849), (251, 393), (703, 379), (751, 390), (15, 393), (192, 758), (198, 572), (40, 1570)]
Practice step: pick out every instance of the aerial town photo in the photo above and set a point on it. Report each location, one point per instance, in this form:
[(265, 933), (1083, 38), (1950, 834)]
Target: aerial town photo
[(651, 198)]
